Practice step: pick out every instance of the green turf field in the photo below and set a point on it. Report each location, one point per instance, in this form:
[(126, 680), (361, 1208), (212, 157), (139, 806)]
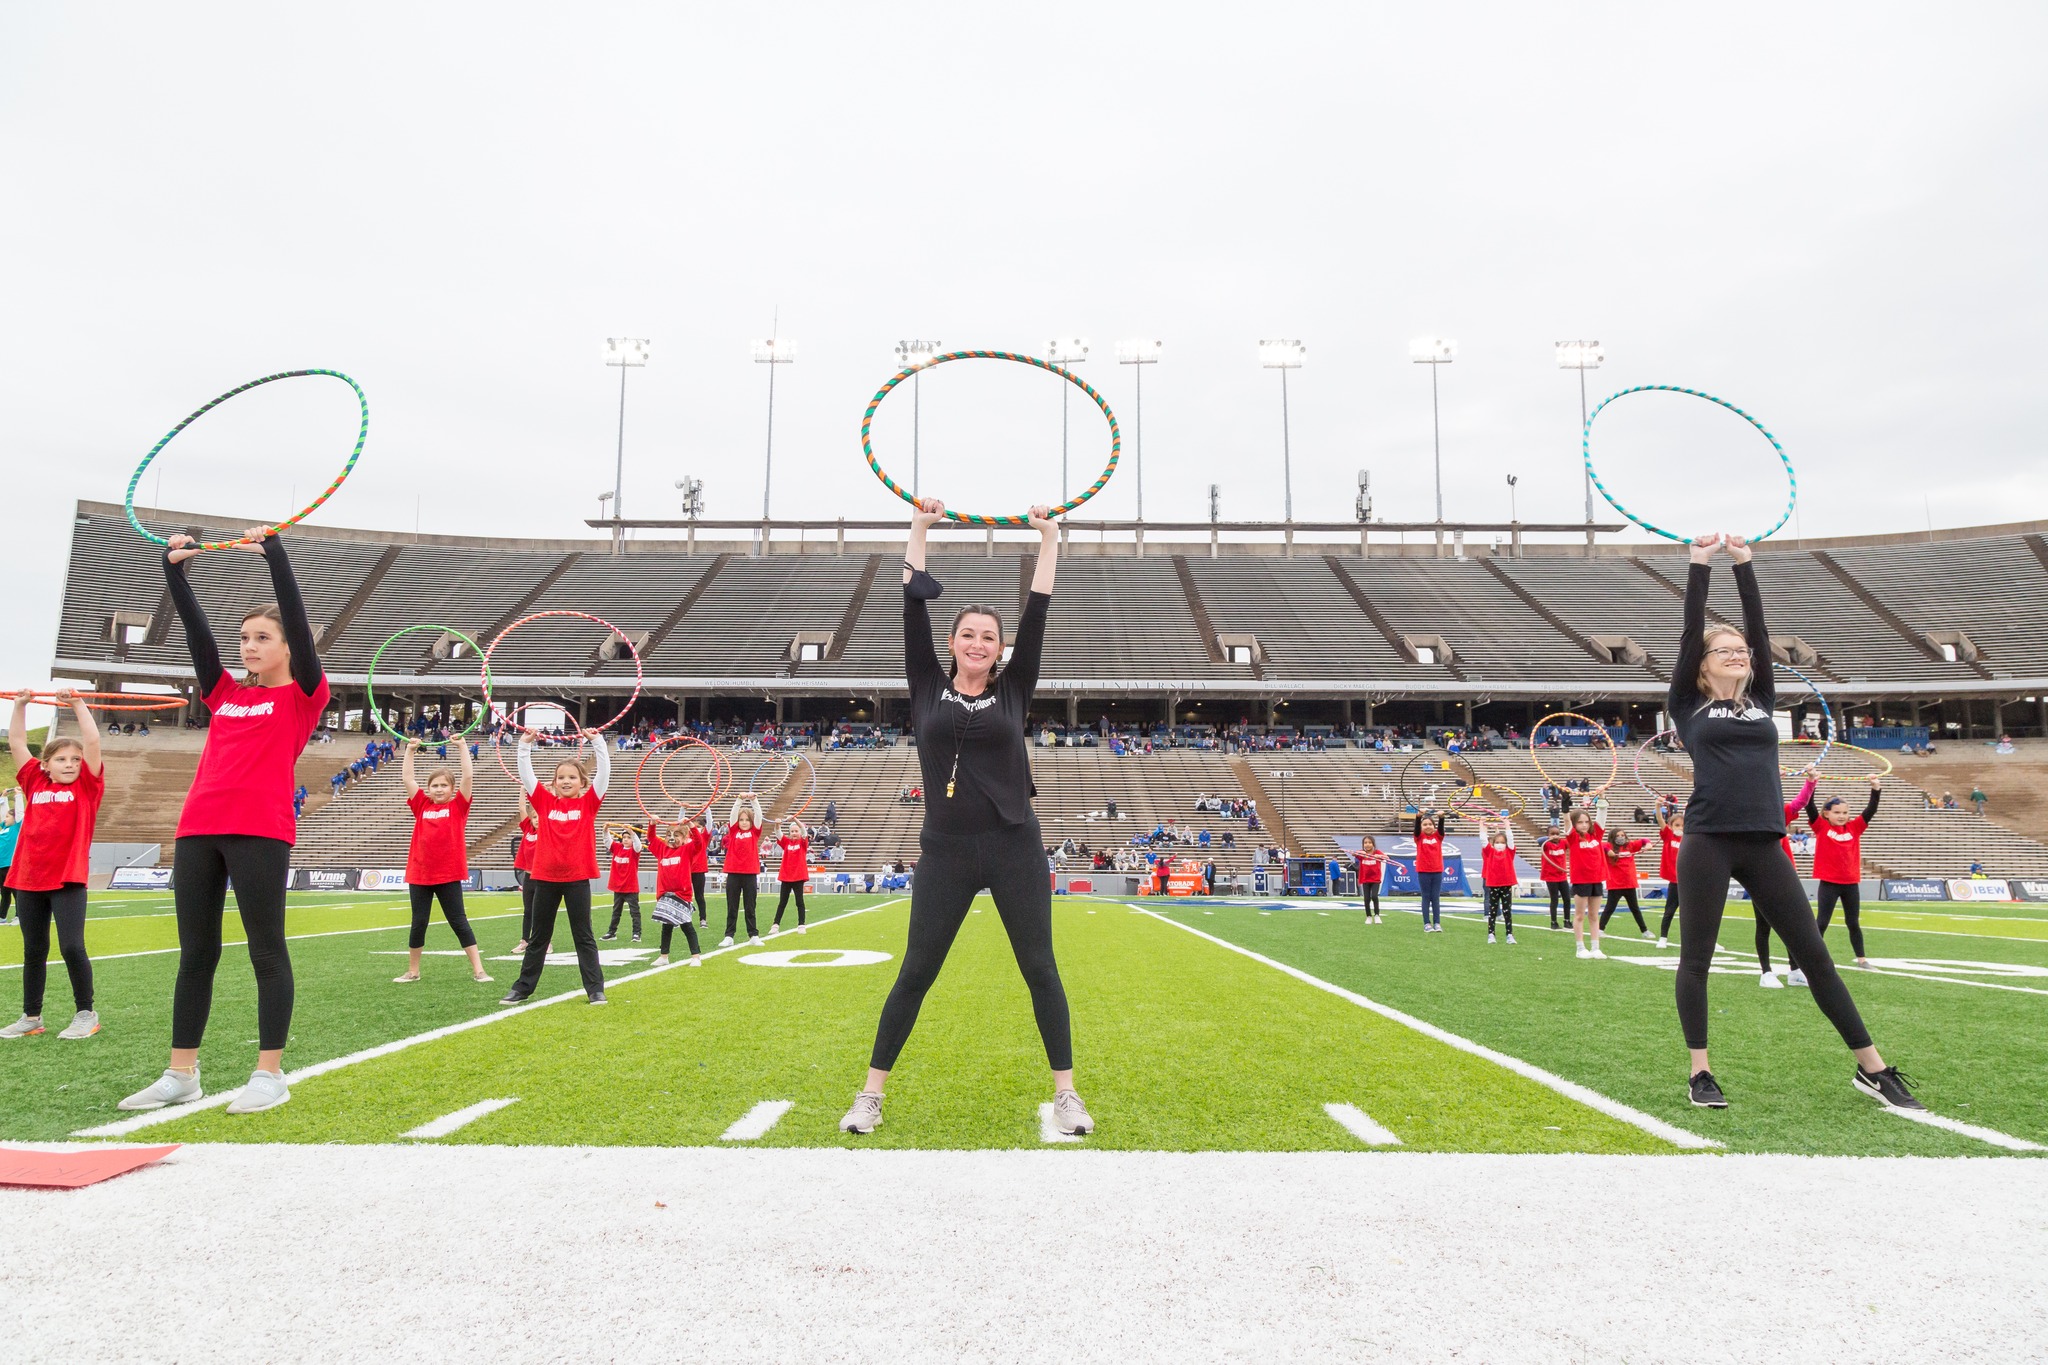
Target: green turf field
[(1182, 1042)]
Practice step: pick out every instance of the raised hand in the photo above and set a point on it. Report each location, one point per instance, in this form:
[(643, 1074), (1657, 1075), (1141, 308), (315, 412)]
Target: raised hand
[(181, 548), (1041, 518), (930, 511), (1738, 548), (1703, 547), (67, 696), (252, 539), (23, 698)]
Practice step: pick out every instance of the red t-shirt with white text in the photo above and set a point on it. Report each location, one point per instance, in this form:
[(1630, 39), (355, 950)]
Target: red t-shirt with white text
[(1667, 861), (1556, 868), (671, 867), (698, 843), (1372, 867), (796, 859), (246, 776), (1429, 852), (1589, 856), (1497, 866), (567, 848), (1621, 865), (1838, 851), (440, 840), (522, 856), (625, 873), (55, 844), (742, 849)]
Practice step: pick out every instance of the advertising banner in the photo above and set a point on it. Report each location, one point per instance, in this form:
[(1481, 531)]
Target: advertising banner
[(381, 879), (323, 879), (1978, 889), (140, 879), (2029, 888), (1913, 889), (1400, 878)]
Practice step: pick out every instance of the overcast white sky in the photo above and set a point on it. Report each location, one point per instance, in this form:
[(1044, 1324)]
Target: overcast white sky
[(1829, 213)]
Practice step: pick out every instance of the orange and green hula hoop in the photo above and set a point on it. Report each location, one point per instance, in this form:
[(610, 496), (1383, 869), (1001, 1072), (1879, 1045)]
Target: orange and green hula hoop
[(867, 445), (362, 435)]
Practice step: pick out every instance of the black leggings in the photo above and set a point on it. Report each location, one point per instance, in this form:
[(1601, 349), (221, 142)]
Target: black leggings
[(697, 885), (1560, 896), (1851, 898), (201, 867), (789, 888), (1369, 892), (6, 892), (1763, 947), (1615, 896), (525, 880), (741, 887), (38, 908), (450, 896), (548, 898), (1008, 862), (623, 901), (689, 928), (1671, 899), (1500, 902), (1706, 862)]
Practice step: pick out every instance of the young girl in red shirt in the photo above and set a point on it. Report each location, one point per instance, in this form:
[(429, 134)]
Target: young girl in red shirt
[(1372, 870), (564, 864), (742, 866), (670, 846), (62, 791), (1767, 978), (1622, 878), (623, 879), (237, 825), (1838, 862), (1429, 869), (1557, 875), (795, 844), (1586, 860), (522, 870), (437, 864), (697, 839), (1497, 872), (1671, 835)]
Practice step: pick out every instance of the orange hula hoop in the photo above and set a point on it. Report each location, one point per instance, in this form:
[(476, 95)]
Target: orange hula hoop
[(109, 701), (1613, 753), (682, 742)]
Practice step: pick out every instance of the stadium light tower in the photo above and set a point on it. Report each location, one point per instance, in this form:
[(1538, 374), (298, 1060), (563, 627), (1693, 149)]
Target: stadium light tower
[(1139, 354), (1284, 356), (1433, 352), (1067, 352), (1582, 356), (915, 355), (627, 353), (771, 351)]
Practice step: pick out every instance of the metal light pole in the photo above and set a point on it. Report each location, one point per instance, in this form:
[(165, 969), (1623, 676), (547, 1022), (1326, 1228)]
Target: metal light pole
[(1582, 356), (1284, 356), (915, 355), (771, 351), (1138, 354), (1435, 351), (626, 353), (1067, 352)]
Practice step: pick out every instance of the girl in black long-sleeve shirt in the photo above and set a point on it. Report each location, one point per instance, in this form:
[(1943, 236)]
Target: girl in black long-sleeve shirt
[(980, 832), (1720, 702)]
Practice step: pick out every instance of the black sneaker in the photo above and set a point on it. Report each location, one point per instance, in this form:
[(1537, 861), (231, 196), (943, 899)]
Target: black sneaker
[(1706, 1092), (1887, 1087), (515, 997), (608, 938), (598, 999)]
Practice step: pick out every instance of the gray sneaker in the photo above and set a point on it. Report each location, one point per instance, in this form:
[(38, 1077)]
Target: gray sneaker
[(173, 1087), (265, 1090), (24, 1027), (84, 1024), (866, 1114), (1069, 1115)]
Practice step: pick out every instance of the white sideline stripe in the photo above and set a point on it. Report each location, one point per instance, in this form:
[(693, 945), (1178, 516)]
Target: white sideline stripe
[(122, 1127), (461, 1118), (1359, 1124), (1049, 1131), (1592, 1099), (242, 942), (1990, 1135), (757, 1121)]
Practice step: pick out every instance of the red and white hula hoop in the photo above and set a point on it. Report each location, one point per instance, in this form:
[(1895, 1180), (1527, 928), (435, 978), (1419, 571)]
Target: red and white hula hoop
[(639, 673), (681, 742)]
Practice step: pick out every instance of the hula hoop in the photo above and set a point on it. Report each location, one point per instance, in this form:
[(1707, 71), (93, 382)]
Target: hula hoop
[(1884, 771), (1644, 748), (867, 420), (753, 783), (1475, 803), (1437, 765), (370, 682), (110, 701), (362, 434), (1586, 448), (540, 741), (639, 673), (1613, 754), (1827, 713), (661, 774)]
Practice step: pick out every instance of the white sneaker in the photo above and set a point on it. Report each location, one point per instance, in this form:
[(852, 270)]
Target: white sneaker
[(1583, 953), (1597, 953), (1646, 933), (1663, 943), (84, 1024), (173, 1087), (265, 1090), (802, 930), (774, 929), (1489, 935), (695, 962), (725, 942), (1070, 1116), (1795, 978), (866, 1114), (25, 1027), (661, 961), (1511, 939), (1769, 981), (754, 942)]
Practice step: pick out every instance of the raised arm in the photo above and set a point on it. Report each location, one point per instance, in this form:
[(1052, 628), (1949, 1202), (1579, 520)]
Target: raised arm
[(524, 762), (1870, 808), (199, 640), (406, 773), (1683, 695), (298, 632), (1048, 549), (1763, 682), (602, 753), (920, 660), (468, 770), (17, 728)]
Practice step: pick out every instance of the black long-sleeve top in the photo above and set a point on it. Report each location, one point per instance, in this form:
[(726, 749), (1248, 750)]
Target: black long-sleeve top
[(985, 730), (1869, 810), (1733, 744), (298, 632)]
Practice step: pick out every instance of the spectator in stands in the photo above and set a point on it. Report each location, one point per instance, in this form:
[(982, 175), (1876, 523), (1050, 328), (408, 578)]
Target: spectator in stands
[(1977, 798), (1948, 801)]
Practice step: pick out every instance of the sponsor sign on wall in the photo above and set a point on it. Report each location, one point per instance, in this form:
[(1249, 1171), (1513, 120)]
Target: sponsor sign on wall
[(1914, 889), (1978, 889), (2029, 888), (323, 879), (140, 879), (381, 879)]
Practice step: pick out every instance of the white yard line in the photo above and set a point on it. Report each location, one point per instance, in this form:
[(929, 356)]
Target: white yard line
[(1990, 1135), (1048, 1130), (122, 1127), (1671, 963), (242, 942), (1592, 1099), (1359, 1124), (461, 1118), (756, 1122)]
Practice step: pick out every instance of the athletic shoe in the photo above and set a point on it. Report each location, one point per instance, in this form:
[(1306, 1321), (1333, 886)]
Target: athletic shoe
[(520, 946), (1887, 1087), (754, 941), (866, 1114), (1769, 981), (802, 930), (401, 980), (25, 1027), (1489, 935), (1583, 953), (1511, 940), (774, 929), (84, 1024), (1863, 962), (725, 942), (480, 976), (661, 961), (599, 999), (1646, 933), (636, 938), (1795, 977), (1706, 1092), (515, 996), (1595, 952), (694, 962), (1663, 943), (1070, 1116), (173, 1087), (265, 1090), (608, 938)]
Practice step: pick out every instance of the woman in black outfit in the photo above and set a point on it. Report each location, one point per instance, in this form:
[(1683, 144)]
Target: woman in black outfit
[(980, 832), (1721, 707)]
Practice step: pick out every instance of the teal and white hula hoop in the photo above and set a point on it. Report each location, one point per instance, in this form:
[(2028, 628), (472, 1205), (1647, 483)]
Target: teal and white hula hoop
[(1827, 718), (1586, 448)]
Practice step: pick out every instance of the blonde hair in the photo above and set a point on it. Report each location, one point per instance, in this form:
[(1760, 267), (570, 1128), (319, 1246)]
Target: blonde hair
[(440, 773), (567, 763), (1718, 630), (61, 742)]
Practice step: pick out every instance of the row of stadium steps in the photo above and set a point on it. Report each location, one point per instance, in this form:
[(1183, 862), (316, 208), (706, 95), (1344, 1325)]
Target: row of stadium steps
[(370, 825), (1338, 793), (875, 825), (1075, 787)]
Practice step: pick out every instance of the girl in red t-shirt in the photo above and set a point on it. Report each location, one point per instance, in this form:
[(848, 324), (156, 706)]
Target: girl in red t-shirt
[(1429, 868), (62, 792), (670, 845), (1497, 873), (237, 825), (1372, 871), (437, 864), (795, 844), (623, 879), (1838, 861), (1622, 879), (697, 839), (1557, 874), (564, 864), (1586, 861), (742, 866), (1671, 834), (522, 869)]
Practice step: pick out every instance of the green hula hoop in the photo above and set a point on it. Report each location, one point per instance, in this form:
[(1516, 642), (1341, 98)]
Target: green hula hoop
[(1116, 440), (370, 682), (362, 434), (1586, 448)]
